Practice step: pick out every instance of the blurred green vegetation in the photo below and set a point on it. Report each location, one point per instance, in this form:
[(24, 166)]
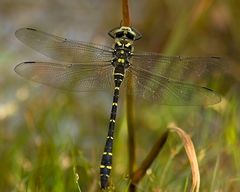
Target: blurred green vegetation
[(50, 140)]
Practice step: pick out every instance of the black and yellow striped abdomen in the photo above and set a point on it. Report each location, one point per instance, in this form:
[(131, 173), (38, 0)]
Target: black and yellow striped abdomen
[(106, 163)]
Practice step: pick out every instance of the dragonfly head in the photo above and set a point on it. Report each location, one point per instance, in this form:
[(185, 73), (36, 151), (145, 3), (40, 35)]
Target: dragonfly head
[(125, 33)]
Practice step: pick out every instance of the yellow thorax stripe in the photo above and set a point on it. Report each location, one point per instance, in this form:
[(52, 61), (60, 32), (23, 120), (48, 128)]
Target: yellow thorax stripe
[(121, 60), (128, 44), (119, 43)]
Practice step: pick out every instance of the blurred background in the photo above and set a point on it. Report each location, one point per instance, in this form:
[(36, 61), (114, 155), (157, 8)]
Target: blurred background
[(45, 132)]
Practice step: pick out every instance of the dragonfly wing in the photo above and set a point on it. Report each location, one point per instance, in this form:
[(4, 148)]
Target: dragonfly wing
[(158, 89), (63, 49), (188, 69), (75, 77)]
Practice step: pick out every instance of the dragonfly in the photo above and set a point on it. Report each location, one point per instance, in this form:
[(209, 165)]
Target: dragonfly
[(85, 66)]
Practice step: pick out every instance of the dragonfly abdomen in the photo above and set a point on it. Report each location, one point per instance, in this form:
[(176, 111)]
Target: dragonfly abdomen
[(106, 163)]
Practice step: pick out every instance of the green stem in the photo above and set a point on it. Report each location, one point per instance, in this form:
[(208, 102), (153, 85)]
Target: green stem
[(140, 172)]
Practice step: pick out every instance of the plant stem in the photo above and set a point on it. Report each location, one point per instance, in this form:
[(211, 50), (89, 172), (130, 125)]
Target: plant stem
[(129, 103), (140, 172), (125, 13), (131, 135)]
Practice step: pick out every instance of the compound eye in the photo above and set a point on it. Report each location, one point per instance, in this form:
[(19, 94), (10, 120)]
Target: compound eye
[(130, 36), (119, 34)]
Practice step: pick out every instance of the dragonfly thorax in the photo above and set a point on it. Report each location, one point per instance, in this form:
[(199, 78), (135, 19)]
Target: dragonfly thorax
[(122, 53), (123, 46)]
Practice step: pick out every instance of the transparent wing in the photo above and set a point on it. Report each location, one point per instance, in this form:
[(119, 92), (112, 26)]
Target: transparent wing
[(188, 69), (62, 49), (76, 77), (159, 89)]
